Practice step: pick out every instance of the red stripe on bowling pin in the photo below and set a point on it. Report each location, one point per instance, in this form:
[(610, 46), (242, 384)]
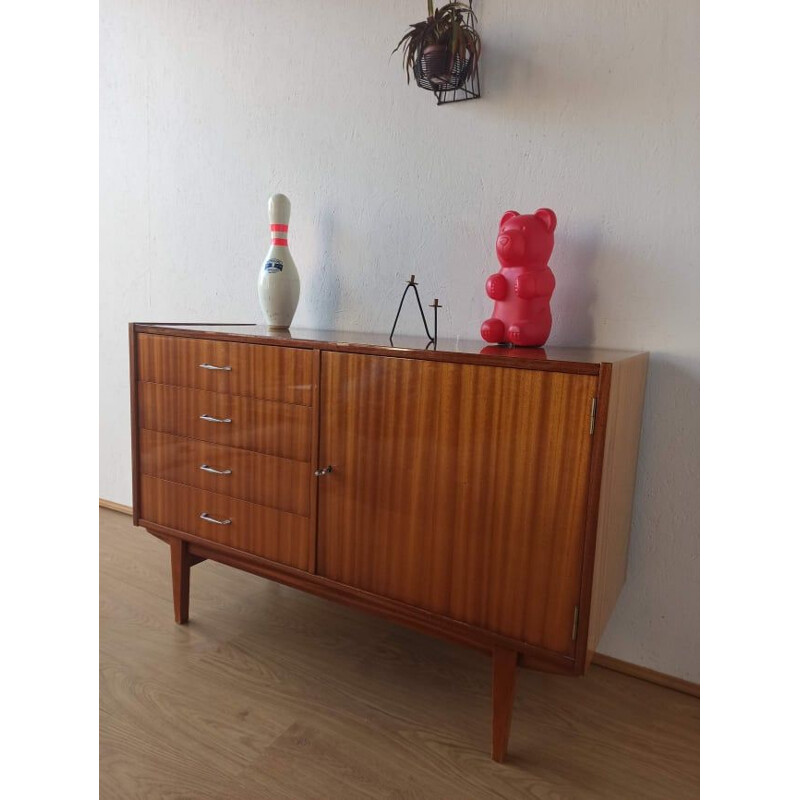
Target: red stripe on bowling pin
[(277, 230)]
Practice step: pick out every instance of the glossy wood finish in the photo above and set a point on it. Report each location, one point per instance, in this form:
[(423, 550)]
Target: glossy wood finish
[(620, 452), (504, 675), (576, 360), (276, 429), (312, 480), (265, 480), (268, 373), (266, 532), (469, 503), (465, 493), (269, 693), (173, 361)]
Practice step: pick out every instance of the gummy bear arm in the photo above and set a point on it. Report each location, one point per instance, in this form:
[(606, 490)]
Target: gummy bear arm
[(496, 286)]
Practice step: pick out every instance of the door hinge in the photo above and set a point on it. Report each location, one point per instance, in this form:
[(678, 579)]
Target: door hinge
[(593, 416), (575, 624)]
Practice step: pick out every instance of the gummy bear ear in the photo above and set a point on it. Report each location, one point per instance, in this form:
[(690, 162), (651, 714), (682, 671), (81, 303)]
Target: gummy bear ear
[(507, 216), (548, 217)]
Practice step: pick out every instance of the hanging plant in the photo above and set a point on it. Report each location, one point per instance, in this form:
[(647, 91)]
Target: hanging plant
[(443, 50)]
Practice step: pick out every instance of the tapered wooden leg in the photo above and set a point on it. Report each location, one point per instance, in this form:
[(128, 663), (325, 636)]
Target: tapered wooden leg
[(504, 673), (181, 563)]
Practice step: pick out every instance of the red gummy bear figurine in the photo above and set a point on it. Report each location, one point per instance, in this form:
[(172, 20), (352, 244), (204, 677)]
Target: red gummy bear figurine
[(522, 289)]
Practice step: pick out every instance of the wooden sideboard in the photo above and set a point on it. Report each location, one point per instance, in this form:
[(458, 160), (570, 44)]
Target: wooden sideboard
[(477, 493)]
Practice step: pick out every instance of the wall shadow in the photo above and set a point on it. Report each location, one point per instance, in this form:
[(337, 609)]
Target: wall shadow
[(575, 268), (325, 275)]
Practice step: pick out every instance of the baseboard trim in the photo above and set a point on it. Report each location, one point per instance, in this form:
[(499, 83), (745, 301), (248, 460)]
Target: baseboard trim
[(110, 504), (600, 660), (645, 674)]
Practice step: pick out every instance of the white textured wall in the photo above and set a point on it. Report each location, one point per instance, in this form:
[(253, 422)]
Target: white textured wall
[(591, 108)]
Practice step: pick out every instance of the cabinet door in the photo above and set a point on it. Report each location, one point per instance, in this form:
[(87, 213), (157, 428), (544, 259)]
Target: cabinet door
[(459, 489)]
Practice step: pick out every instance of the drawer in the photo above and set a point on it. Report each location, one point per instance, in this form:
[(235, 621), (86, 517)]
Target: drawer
[(277, 429), (282, 374), (266, 532), (266, 480)]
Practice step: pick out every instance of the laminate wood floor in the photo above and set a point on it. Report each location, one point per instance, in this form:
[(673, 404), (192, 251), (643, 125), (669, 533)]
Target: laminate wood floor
[(272, 693)]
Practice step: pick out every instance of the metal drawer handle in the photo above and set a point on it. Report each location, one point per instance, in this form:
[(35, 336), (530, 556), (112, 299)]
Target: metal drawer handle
[(324, 471), (208, 418), (208, 518), (211, 366), (206, 468)]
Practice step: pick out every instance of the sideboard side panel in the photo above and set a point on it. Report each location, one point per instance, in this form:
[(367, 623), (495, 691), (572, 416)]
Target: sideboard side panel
[(133, 347), (623, 425)]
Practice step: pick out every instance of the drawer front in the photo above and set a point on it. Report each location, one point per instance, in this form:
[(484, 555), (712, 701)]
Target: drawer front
[(282, 374), (277, 429), (265, 532), (265, 480)]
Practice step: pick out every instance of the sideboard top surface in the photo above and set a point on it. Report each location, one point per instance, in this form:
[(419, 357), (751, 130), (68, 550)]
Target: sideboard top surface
[(582, 359)]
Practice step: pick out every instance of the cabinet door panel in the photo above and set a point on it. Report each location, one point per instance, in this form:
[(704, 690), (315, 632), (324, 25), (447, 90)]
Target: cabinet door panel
[(376, 506), (456, 488)]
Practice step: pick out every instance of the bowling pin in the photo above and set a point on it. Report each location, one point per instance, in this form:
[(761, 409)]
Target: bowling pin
[(279, 281)]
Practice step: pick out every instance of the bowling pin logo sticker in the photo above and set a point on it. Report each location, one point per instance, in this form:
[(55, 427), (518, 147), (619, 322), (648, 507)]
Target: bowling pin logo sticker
[(278, 279)]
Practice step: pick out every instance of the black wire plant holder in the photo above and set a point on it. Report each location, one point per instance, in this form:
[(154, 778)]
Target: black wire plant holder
[(462, 81), (411, 283), (457, 86)]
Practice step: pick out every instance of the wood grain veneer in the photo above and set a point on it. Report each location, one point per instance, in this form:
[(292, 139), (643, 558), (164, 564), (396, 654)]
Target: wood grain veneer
[(269, 373), (266, 532), (277, 429), (468, 504), (265, 480), (582, 360), (479, 494), (312, 479)]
